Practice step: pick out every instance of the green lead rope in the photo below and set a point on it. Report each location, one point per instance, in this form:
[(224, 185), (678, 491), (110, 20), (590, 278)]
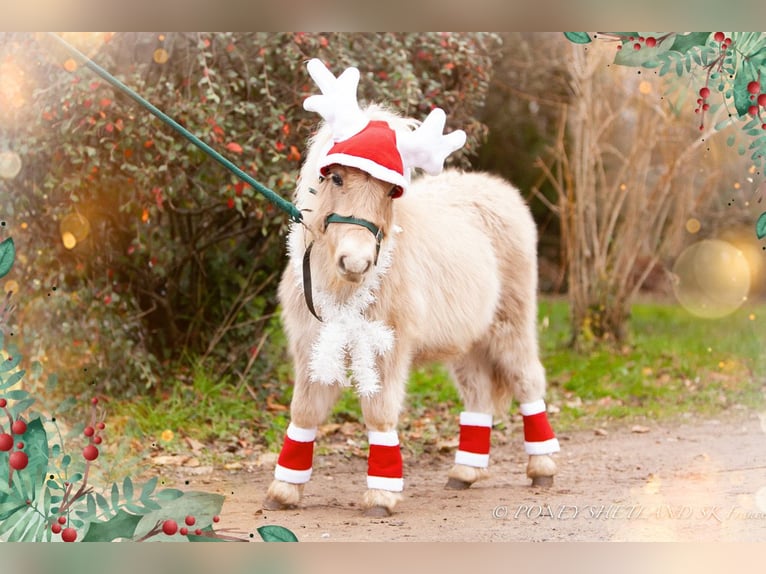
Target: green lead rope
[(280, 202)]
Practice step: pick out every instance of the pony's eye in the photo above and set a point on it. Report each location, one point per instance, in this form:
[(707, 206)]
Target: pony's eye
[(337, 180)]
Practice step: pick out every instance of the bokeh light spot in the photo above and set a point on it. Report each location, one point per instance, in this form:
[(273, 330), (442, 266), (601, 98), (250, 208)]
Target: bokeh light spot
[(69, 240), (693, 225), (161, 55), (711, 278), (76, 225), (11, 286), (645, 87), (10, 164), (70, 65)]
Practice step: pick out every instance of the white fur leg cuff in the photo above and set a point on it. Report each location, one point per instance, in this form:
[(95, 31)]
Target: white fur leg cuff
[(292, 476), (385, 483), (544, 447), (472, 459)]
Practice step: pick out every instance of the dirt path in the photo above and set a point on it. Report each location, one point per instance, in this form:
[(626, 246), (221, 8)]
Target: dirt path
[(690, 482)]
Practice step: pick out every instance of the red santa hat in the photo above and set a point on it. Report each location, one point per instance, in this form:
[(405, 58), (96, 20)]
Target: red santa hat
[(371, 145), (373, 150)]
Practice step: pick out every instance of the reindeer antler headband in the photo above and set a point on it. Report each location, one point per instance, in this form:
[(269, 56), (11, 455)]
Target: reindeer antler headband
[(373, 146)]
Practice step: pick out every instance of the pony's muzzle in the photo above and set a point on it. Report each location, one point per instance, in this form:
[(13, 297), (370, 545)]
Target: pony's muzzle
[(353, 268)]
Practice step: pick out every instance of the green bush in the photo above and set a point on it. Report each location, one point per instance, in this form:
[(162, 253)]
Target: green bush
[(158, 254)]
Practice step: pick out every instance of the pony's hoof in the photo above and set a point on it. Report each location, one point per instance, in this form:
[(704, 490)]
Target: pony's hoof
[(541, 469), (542, 481), (457, 484), (377, 512), (274, 504), (282, 495)]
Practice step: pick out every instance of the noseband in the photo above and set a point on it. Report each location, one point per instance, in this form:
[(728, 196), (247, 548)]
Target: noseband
[(335, 218)]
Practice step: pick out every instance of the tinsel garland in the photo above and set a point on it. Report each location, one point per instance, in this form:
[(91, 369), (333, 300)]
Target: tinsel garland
[(348, 343)]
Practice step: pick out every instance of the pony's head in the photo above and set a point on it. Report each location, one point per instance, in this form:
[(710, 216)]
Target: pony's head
[(358, 164), (354, 214)]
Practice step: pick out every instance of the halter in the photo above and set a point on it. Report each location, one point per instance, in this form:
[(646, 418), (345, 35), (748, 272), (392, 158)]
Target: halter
[(335, 218)]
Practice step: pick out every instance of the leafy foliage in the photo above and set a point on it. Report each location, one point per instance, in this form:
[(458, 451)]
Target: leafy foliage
[(153, 243), (47, 493), (729, 70)]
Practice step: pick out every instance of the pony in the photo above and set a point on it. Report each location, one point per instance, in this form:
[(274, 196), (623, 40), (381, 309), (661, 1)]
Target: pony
[(386, 273)]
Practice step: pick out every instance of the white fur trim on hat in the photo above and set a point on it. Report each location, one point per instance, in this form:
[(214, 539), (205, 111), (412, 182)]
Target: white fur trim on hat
[(367, 165)]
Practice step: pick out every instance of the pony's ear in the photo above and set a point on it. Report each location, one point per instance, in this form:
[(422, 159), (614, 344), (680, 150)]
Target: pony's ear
[(337, 104), (427, 147)]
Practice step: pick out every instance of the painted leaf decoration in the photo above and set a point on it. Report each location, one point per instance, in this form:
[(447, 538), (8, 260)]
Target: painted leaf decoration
[(760, 226), (202, 505), (7, 255), (685, 42), (274, 533), (741, 96), (578, 37), (121, 525)]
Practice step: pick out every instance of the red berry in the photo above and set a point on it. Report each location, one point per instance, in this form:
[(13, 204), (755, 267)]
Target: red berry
[(651, 41), (754, 87), (184, 531), (190, 520), (97, 440), (619, 46), (170, 527), (19, 445), (90, 452), (706, 107), (718, 37), (763, 126), (62, 520), (100, 426), (18, 460), (89, 431), (6, 442), (762, 100), (3, 403), (55, 528), (198, 532), (19, 427), (636, 46), (216, 518), (230, 203), (94, 401), (752, 110), (69, 535), (727, 41), (704, 92)]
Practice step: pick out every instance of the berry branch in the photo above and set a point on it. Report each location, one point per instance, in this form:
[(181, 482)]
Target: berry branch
[(733, 65)]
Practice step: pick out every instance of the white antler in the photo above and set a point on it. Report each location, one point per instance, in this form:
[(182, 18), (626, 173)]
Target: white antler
[(427, 147), (337, 104)]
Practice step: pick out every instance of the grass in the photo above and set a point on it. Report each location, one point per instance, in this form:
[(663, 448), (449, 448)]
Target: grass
[(674, 366)]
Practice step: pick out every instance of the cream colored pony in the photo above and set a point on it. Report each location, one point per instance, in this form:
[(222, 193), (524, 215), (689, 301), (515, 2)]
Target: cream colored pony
[(453, 279)]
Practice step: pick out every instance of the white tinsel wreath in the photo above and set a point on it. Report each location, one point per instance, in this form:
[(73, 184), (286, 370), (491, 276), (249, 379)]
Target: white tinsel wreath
[(348, 342)]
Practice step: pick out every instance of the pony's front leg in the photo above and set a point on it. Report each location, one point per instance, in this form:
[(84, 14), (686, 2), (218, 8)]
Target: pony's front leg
[(385, 477), (310, 406)]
